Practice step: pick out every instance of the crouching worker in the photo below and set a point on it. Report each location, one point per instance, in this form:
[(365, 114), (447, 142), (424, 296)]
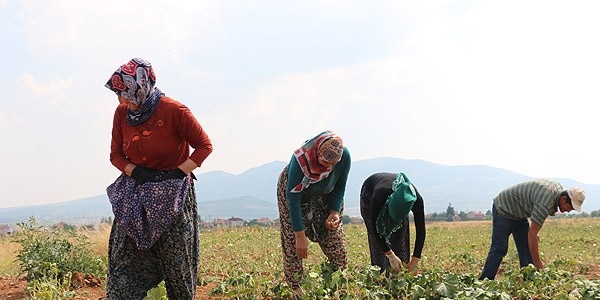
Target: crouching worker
[(310, 198), (386, 199), (536, 199)]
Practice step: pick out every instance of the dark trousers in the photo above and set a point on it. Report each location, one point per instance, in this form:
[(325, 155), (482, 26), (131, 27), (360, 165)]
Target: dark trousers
[(173, 258), (399, 240), (502, 228)]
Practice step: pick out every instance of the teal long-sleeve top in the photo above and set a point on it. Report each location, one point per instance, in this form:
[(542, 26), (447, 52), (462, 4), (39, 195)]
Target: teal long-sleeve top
[(334, 186)]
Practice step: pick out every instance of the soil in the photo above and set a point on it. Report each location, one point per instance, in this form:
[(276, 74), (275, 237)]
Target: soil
[(12, 288)]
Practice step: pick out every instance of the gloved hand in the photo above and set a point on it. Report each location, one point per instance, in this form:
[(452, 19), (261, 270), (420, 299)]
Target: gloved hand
[(395, 262), (142, 175), (175, 174)]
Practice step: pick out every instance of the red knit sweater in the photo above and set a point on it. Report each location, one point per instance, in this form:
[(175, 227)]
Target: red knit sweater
[(162, 142)]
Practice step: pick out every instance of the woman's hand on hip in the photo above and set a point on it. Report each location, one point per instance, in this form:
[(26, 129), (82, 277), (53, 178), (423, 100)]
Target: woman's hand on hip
[(333, 221)]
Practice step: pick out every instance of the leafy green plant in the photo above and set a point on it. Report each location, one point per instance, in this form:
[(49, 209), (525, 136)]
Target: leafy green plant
[(49, 288), (246, 263), (50, 255), (157, 293), (243, 268), (246, 286)]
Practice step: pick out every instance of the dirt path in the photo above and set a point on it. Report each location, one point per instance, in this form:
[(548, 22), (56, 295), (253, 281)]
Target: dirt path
[(13, 289)]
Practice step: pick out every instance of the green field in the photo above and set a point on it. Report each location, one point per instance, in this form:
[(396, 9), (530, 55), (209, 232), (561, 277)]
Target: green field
[(245, 263), (453, 256)]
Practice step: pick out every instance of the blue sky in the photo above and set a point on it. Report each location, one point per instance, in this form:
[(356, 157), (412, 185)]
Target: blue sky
[(509, 84)]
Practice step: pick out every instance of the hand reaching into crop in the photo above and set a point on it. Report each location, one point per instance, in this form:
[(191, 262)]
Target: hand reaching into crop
[(395, 262), (333, 221), (412, 265), (301, 244)]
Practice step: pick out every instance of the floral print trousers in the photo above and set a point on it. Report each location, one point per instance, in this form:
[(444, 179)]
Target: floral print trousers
[(173, 258)]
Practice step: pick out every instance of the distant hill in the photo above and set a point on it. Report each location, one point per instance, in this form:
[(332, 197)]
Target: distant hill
[(252, 194), (82, 211), (247, 208), (467, 187)]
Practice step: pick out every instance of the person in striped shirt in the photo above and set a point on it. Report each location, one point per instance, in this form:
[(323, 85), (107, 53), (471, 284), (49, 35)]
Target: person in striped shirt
[(535, 199)]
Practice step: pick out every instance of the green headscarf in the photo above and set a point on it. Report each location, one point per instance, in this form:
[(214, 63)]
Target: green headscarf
[(396, 208)]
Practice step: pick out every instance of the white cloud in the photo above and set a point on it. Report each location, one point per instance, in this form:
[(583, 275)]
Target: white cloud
[(51, 93), (464, 87), (116, 28), (509, 84)]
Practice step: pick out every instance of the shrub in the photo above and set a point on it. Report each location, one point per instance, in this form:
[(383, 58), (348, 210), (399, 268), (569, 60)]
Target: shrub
[(51, 255)]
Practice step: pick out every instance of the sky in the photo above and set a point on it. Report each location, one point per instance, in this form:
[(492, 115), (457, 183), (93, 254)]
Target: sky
[(508, 84)]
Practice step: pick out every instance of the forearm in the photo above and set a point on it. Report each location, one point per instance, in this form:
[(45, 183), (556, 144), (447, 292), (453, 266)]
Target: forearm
[(412, 265), (336, 197), (419, 221), (533, 240), (201, 153), (534, 248), (121, 162), (192, 131), (188, 166), (129, 168), (300, 234)]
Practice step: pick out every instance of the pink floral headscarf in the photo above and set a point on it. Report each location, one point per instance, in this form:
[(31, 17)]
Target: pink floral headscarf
[(327, 146)]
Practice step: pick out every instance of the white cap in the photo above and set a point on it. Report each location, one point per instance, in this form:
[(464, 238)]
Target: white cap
[(577, 196)]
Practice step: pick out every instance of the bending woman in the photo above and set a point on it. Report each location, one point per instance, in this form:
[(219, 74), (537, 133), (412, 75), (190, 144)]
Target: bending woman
[(385, 202), (310, 196)]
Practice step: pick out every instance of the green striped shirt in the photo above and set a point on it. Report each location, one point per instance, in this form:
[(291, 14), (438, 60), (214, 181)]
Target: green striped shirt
[(536, 199)]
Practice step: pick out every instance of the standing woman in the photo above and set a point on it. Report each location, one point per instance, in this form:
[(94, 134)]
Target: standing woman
[(155, 234), (385, 202), (310, 196)]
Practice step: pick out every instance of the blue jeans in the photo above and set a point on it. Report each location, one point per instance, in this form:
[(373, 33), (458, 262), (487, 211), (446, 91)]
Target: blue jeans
[(502, 228)]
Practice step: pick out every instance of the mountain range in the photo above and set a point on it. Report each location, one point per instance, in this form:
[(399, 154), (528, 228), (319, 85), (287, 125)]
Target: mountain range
[(252, 194)]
